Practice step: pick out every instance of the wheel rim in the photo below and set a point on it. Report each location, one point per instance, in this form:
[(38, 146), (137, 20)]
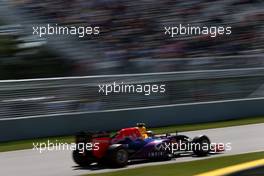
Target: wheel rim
[(121, 156)]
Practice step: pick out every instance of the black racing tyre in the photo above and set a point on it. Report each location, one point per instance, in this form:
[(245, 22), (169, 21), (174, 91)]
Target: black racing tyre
[(82, 159), (117, 157), (201, 145)]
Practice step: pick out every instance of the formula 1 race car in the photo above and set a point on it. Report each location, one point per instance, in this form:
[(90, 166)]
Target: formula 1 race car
[(137, 143)]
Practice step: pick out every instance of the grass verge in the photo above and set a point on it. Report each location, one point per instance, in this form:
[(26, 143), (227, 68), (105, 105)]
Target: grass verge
[(27, 144), (202, 126), (187, 168)]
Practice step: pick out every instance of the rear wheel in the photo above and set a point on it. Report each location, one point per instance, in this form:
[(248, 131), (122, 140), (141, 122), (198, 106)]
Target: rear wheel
[(118, 157), (81, 158)]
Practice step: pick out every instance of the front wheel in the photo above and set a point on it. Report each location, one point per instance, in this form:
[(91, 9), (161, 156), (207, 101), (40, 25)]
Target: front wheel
[(201, 145)]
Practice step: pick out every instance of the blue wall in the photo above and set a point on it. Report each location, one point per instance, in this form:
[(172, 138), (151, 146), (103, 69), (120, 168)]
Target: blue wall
[(154, 117)]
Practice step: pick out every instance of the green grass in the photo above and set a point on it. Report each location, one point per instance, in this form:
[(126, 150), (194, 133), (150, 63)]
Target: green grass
[(187, 168), (201, 126), (27, 144)]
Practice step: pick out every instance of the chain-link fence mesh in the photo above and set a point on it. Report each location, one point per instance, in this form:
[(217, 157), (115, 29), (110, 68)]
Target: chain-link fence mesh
[(22, 98)]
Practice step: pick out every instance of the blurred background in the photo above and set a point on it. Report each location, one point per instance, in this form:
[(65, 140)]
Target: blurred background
[(132, 37), (131, 41)]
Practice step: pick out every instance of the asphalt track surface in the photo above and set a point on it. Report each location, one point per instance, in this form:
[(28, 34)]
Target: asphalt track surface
[(243, 139)]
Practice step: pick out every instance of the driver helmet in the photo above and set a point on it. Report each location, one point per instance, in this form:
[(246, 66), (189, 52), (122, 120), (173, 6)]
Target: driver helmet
[(142, 129)]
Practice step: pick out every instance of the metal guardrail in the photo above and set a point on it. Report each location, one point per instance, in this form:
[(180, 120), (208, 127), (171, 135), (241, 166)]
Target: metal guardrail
[(36, 97)]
